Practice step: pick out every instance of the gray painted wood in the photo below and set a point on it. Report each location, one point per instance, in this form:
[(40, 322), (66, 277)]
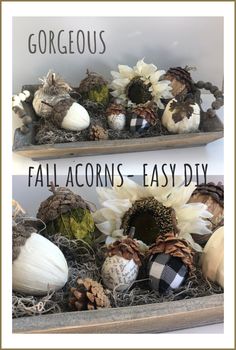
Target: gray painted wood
[(151, 318), (24, 144)]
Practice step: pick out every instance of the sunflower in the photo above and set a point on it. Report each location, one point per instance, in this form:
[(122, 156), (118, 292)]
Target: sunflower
[(140, 84), (151, 210)]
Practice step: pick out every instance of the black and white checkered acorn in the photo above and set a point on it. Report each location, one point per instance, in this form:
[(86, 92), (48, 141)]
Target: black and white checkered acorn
[(142, 118), (170, 263)]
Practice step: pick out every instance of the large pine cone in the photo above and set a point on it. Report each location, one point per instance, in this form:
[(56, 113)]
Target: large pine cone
[(127, 248), (88, 295), (60, 202), (213, 196), (174, 246), (146, 113), (114, 109), (98, 133)]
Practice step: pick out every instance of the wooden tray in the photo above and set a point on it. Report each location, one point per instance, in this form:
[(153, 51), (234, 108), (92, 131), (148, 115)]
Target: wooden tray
[(24, 145), (151, 318)]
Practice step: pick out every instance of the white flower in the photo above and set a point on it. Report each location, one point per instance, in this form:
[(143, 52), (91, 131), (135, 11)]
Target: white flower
[(118, 200), (149, 75)]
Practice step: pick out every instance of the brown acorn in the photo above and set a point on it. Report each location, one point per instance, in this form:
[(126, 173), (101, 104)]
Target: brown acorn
[(181, 81), (97, 133), (94, 88), (213, 196)]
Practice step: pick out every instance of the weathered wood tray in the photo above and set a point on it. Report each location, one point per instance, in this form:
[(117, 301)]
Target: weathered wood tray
[(152, 318), (24, 145)]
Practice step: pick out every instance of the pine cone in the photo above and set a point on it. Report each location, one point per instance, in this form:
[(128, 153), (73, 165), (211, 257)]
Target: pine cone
[(213, 196), (88, 295), (60, 202), (127, 248), (146, 113), (115, 109), (98, 133), (174, 246)]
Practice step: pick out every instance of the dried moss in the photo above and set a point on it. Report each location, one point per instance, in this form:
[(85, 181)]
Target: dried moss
[(47, 133), (86, 261)]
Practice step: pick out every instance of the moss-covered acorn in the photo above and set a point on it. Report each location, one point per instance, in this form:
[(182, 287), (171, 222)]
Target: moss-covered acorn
[(67, 213), (94, 88)]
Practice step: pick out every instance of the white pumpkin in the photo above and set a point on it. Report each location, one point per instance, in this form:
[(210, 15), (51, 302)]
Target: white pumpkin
[(184, 123), (212, 260), (40, 267)]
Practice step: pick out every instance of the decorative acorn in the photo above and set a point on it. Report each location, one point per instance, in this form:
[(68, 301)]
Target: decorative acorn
[(94, 88), (88, 295), (122, 264), (181, 116), (97, 133), (116, 117), (142, 118), (67, 213), (181, 81), (170, 262), (69, 115), (38, 265), (53, 89), (213, 196)]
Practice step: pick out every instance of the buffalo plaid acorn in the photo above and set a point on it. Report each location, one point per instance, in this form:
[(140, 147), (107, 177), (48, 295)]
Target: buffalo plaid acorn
[(166, 272), (170, 262), (138, 124)]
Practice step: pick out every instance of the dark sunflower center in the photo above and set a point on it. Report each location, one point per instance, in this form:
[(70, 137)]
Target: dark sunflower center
[(138, 92), (150, 219)]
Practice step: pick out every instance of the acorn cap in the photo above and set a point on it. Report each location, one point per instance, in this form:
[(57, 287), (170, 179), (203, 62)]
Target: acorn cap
[(180, 74), (146, 113), (60, 110), (115, 109), (20, 233), (174, 246), (127, 248), (62, 201)]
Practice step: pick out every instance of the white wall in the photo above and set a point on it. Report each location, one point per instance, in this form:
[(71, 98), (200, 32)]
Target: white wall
[(165, 41)]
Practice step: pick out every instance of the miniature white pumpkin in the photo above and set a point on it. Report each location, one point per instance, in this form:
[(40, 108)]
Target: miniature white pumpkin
[(181, 117), (40, 267), (212, 259), (119, 273)]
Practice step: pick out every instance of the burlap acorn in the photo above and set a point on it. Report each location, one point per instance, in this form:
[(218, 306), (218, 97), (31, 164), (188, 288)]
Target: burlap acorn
[(127, 248), (146, 113), (97, 133), (67, 213), (181, 80), (213, 196), (88, 295), (174, 246)]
